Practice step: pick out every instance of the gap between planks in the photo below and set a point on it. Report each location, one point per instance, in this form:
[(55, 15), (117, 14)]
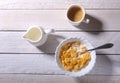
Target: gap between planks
[(64, 31), (37, 74), (54, 53), (65, 9)]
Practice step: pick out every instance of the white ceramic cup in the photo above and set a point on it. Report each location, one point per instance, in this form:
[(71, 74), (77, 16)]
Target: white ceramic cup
[(43, 37), (83, 19)]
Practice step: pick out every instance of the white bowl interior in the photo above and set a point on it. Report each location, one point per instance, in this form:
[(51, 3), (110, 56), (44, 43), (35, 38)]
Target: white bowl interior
[(82, 71)]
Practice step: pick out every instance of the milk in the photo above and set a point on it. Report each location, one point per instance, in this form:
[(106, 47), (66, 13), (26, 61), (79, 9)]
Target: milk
[(33, 34), (36, 35)]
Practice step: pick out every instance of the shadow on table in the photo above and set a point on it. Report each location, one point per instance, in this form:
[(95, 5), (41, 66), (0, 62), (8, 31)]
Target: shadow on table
[(94, 25), (51, 44), (115, 58), (103, 67)]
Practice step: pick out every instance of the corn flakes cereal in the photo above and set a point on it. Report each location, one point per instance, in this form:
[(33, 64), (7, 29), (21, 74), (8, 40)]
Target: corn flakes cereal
[(71, 58)]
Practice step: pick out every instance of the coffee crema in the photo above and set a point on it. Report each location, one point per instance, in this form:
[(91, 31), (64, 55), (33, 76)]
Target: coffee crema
[(75, 14)]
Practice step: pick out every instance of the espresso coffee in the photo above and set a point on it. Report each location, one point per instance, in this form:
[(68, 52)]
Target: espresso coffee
[(75, 13)]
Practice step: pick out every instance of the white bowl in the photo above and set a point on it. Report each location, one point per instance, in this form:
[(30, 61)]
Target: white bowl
[(82, 71)]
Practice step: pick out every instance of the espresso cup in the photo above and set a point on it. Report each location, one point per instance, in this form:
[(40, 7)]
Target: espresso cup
[(76, 15)]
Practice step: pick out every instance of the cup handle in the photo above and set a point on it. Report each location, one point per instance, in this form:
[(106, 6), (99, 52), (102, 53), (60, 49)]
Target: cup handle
[(48, 31), (86, 20)]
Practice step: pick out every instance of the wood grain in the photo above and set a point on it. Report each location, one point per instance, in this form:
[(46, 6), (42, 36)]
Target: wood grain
[(44, 64), (21, 78), (12, 42), (58, 4), (19, 56), (100, 20)]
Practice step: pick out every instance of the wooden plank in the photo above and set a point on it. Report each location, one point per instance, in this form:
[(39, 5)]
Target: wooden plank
[(59, 4), (20, 78), (12, 42), (31, 63), (44, 64), (100, 20)]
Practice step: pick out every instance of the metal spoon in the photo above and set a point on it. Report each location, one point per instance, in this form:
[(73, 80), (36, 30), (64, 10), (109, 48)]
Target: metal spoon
[(105, 46)]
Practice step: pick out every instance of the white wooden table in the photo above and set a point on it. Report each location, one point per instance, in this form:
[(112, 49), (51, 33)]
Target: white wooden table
[(22, 62)]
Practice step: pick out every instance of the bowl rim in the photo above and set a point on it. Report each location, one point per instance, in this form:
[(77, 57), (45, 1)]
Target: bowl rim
[(83, 71)]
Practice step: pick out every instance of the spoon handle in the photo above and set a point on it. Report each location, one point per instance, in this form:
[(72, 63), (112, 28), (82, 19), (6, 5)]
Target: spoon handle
[(105, 46)]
